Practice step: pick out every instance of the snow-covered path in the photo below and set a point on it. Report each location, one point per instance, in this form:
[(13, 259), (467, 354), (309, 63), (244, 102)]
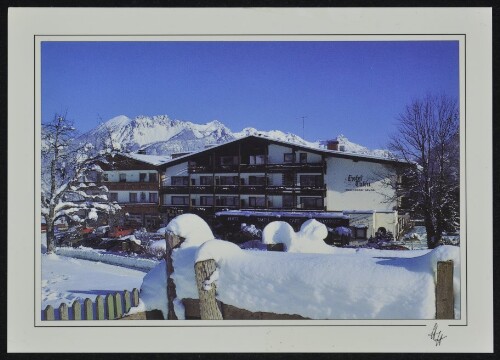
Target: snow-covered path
[(66, 279)]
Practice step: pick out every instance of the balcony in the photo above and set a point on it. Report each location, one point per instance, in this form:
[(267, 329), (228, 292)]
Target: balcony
[(131, 186), (302, 190), (185, 189), (298, 167)]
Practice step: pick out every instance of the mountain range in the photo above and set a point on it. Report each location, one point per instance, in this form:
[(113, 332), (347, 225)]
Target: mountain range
[(160, 135)]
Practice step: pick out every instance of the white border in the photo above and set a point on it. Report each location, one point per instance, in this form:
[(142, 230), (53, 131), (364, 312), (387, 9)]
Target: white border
[(476, 336)]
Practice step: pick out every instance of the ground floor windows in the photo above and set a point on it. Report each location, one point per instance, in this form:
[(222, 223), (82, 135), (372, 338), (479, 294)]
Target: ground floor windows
[(180, 200), (256, 201), (311, 203)]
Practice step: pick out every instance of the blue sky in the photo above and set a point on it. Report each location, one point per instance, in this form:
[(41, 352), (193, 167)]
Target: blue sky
[(351, 88)]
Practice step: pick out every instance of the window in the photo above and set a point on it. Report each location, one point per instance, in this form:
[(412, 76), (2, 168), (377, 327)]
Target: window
[(257, 180), (311, 202), (142, 177), (288, 179), (143, 197), (228, 160), (228, 201), (288, 201), (180, 200), (152, 177), (132, 197), (206, 200), (105, 177), (123, 177), (289, 158), (256, 201), (153, 197), (303, 158), (113, 196), (360, 233), (310, 180), (180, 180), (206, 180), (229, 180)]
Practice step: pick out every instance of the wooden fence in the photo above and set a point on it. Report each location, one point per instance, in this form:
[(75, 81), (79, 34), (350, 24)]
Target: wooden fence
[(110, 307)]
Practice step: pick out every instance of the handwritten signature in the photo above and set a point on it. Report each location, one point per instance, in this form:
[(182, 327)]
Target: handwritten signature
[(436, 335)]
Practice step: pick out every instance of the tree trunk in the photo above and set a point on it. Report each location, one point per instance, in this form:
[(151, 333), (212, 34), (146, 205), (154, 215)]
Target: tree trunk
[(50, 237)]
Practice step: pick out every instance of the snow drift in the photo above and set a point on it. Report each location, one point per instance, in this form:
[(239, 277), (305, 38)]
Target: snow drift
[(333, 283)]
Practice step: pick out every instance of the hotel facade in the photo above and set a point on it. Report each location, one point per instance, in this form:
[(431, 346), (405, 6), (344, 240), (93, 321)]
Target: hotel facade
[(257, 173)]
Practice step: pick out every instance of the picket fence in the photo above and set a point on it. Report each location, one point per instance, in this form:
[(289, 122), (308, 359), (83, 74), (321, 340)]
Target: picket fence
[(110, 307)]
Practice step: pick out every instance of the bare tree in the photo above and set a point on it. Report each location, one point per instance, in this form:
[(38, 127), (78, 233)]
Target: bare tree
[(65, 191), (428, 136)]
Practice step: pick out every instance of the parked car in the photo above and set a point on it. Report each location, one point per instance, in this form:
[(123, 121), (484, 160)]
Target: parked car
[(119, 231)]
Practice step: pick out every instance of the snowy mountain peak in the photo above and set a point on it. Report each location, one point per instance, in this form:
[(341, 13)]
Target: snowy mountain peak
[(161, 135)]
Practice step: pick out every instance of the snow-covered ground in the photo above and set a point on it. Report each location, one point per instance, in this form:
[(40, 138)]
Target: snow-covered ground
[(66, 279)]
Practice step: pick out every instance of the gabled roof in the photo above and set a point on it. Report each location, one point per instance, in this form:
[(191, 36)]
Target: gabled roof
[(326, 152), (127, 161)]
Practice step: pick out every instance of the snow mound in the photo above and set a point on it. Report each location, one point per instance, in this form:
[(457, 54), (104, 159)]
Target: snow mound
[(192, 228), (308, 240), (347, 285), (154, 290), (278, 232)]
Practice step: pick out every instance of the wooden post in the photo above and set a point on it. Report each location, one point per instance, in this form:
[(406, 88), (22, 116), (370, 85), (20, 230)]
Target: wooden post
[(110, 307), (209, 310), (88, 310), (135, 297), (126, 298), (444, 291), (99, 306), (49, 313), (77, 310), (63, 311), (117, 300), (172, 242)]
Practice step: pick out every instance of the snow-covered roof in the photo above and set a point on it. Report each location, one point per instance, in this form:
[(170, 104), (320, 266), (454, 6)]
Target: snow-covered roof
[(333, 153), (150, 159)]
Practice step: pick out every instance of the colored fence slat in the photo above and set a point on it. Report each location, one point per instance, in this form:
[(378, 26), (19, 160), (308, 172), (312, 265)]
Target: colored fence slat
[(110, 308), (88, 310), (77, 310)]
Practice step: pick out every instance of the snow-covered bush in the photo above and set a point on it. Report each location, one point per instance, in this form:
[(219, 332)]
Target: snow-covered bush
[(309, 239)]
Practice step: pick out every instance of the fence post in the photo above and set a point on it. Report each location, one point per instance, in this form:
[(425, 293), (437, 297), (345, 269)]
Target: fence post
[(209, 310), (444, 290), (77, 310), (63, 311), (88, 310), (126, 300), (117, 300), (172, 241), (99, 306), (49, 313), (135, 297), (109, 307)]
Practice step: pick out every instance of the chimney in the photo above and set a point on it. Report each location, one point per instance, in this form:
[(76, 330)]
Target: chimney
[(332, 145)]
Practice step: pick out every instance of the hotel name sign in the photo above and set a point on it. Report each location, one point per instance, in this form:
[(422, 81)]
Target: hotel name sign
[(358, 183)]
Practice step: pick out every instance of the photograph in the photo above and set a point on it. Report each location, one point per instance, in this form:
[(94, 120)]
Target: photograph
[(250, 180)]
